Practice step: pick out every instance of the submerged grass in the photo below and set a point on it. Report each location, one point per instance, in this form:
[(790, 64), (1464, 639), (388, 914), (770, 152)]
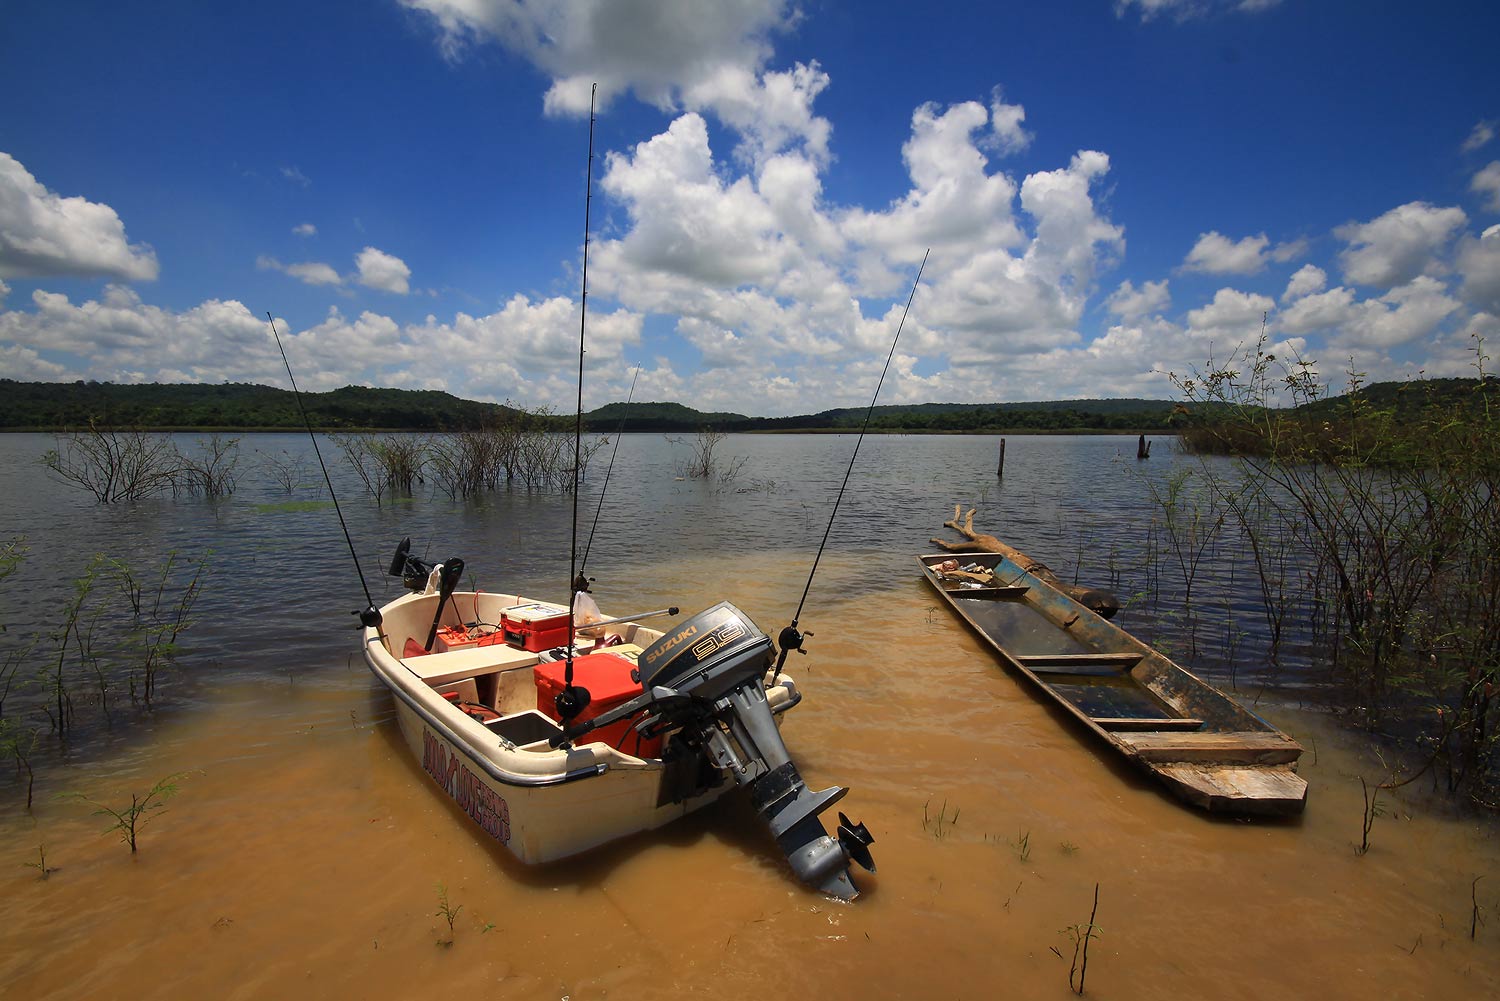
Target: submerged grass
[(1374, 520), (109, 644), (941, 825), (128, 820)]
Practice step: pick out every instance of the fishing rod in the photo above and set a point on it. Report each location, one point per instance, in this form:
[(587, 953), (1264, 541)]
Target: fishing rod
[(572, 700), (581, 583), (669, 610), (790, 639), (370, 617)]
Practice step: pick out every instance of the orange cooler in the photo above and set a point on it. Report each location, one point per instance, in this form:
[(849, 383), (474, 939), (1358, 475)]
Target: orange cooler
[(607, 677)]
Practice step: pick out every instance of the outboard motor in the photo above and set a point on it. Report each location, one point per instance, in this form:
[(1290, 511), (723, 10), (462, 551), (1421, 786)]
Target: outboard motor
[(707, 677)]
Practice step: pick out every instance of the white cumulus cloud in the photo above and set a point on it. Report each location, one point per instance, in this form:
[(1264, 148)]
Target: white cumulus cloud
[(954, 202), (1479, 265), (1186, 10), (1479, 136), (1233, 315), (524, 351), (1216, 254), (372, 268), (118, 337), (1486, 183), (772, 112), (379, 270), (1129, 303), (1366, 328), (1010, 137), (310, 272), (1071, 237), (1398, 246), (1309, 279), (655, 48), (25, 365), (686, 222), (43, 234)]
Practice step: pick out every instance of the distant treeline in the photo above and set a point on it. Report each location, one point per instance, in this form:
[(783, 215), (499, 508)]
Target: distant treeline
[(46, 405), (1383, 424), (1061, 415), (237, 406)]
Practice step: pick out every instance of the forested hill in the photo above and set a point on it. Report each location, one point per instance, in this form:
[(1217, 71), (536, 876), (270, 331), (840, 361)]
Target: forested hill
[(660, 417), (231, 405), (1056, 415), (237, 406)]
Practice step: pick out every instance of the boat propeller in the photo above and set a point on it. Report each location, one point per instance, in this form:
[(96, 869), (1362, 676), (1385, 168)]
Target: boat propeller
[(856, 839)]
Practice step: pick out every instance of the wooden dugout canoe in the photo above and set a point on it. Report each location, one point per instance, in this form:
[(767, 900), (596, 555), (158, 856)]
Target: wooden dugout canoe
[(1207, 748)]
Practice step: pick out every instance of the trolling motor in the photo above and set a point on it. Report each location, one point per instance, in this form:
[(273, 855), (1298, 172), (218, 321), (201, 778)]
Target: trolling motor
[(417, 575), (412, 571), (706, 677)]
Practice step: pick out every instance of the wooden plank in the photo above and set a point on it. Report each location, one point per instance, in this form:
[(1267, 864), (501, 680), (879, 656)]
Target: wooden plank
[(1100, 664), (1141, 723), (1266, 748), (1275, 790), (1058, 675), (1007, 591)]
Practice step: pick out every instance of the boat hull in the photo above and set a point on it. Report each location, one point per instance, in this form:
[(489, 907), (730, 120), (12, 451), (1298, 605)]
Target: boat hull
[(543, 823)]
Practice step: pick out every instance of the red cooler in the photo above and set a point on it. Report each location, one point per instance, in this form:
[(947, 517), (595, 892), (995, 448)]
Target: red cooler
[(536, 626), (607, 677)]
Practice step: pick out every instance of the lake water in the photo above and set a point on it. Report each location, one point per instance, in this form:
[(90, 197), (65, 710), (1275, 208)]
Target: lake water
[(303, 854)]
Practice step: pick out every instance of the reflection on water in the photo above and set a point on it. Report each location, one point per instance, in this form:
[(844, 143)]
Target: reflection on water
[(303, 855)]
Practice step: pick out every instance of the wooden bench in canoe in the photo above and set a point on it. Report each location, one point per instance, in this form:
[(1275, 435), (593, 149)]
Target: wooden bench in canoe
[(1203, 745)]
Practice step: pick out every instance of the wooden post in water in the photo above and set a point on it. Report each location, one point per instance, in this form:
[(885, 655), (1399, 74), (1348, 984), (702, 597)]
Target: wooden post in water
[(1143, 448), (1000, 471)]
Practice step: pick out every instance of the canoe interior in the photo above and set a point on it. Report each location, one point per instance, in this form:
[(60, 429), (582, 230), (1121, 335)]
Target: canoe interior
[(1203, 744)]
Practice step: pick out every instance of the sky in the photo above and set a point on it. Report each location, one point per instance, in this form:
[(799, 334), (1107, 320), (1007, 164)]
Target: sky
[(1109, 193)]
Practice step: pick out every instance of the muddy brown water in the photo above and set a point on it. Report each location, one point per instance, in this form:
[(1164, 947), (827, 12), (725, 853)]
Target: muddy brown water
[(303, 854)]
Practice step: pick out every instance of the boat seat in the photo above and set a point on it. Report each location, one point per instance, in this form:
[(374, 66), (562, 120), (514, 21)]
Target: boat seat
[(1100, 664), (1000, 593), (1145, 724), (441, 668), (1247, 747)]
